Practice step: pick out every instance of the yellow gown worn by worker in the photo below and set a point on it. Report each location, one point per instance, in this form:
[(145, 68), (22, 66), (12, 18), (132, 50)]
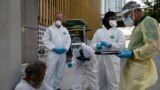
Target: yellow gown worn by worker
[(140, 72)]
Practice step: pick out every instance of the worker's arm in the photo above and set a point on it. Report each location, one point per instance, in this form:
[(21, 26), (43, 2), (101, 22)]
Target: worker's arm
[(151, 38), (47, 39), (95, 40), (68, 41)]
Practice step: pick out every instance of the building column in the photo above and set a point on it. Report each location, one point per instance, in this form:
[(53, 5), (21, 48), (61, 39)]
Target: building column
[(29, 22), (10, 43)]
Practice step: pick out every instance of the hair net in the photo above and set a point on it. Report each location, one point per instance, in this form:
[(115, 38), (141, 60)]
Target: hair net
[(76, 42), (130, 6)]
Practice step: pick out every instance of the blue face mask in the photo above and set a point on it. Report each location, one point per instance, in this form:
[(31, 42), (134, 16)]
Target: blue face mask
[(128, 21)]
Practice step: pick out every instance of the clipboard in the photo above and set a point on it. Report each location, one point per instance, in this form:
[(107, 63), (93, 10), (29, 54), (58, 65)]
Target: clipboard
[(108, 52)]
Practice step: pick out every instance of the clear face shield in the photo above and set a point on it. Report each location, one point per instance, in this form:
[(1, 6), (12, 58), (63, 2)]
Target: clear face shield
[(76, 46), (128, 18), (76, 43), (78, 52), (128, 13)]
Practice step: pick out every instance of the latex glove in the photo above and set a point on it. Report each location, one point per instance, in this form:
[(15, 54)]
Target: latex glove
[(80, 58), (70, 64), (59, 50), (125, 54), (98, 47), (105, 44)]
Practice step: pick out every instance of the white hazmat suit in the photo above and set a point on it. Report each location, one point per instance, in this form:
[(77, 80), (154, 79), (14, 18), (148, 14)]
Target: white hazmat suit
[(56, 38), (109, 65), (85, 75), (23, 85)]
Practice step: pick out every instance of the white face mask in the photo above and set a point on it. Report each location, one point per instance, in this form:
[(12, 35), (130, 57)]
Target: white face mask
[(128, 21), (75, 51), (58, 23), (113, 23)]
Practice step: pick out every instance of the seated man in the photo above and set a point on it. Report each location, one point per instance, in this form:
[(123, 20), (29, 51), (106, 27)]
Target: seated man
[(34, 76)]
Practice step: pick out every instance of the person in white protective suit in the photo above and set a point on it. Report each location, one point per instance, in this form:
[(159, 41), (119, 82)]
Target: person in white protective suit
[(85, 75), (57, 39), (108, 38), (34, 75)]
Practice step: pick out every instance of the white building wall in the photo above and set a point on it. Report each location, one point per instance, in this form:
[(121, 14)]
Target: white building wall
[(10, 43), (111, 5)]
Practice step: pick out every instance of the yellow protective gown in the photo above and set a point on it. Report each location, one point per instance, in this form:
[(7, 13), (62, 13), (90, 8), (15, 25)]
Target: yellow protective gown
[(140, 72)]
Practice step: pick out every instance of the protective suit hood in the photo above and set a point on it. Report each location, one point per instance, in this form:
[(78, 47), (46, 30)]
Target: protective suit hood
[(86, 50), (106, 19)]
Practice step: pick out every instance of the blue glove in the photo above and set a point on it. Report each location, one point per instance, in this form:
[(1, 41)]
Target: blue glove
[(59, 50), (98, 47), (105, 44), (125, 54), (70, 64)]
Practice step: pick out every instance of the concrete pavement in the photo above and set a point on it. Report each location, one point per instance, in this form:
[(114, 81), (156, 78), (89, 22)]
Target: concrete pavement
[(157, 85)]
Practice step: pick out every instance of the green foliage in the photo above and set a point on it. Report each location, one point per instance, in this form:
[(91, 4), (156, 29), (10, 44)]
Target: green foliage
[(153, 9)]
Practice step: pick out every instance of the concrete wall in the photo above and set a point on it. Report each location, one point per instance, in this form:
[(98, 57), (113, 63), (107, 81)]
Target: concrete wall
[(29, 11), (10, 43)]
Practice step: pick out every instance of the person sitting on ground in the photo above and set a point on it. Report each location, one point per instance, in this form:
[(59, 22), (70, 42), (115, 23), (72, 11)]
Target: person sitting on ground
[(34, 76)]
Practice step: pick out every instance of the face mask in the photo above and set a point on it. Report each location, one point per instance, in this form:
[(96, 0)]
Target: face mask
[(128, 21), (58, 23), (75, 52), (113, 23)]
